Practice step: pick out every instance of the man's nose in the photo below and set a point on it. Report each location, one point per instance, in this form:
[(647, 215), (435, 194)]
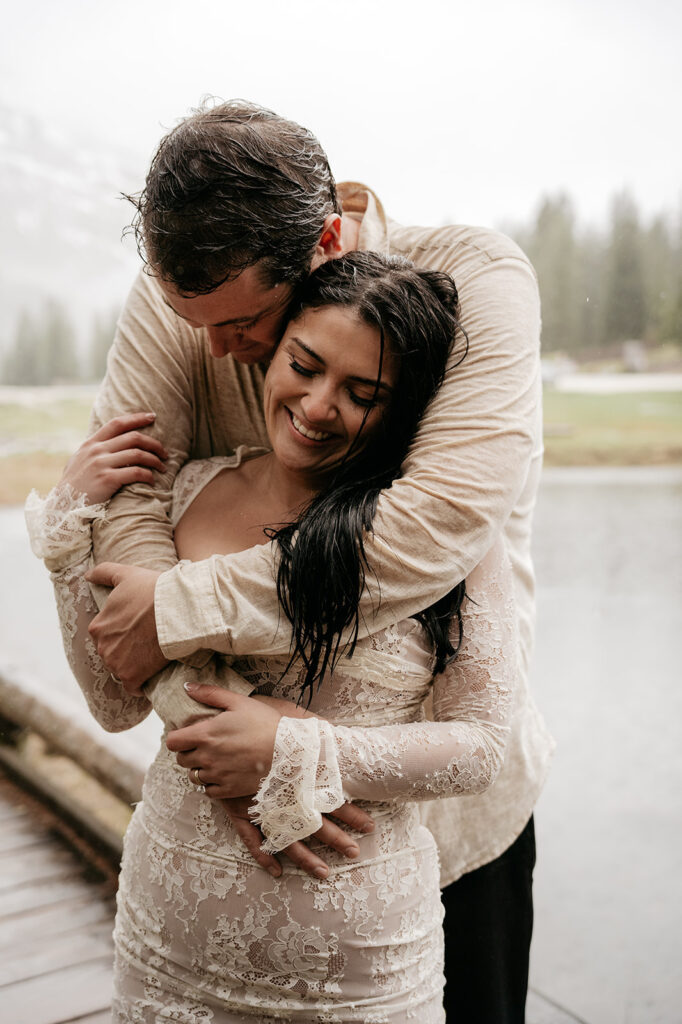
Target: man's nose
[(222, 340)]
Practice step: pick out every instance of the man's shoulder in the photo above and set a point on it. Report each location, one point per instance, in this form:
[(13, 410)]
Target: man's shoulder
[(461, 249)]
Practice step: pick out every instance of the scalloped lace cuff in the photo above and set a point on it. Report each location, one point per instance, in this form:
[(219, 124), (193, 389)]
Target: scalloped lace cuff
[(59, 526), (303, 784)]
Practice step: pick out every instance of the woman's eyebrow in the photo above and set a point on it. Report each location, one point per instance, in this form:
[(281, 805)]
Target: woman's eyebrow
[(311, 352), (369, 381)]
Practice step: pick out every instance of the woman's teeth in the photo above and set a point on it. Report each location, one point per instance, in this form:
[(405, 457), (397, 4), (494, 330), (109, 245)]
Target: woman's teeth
[(313, 435)]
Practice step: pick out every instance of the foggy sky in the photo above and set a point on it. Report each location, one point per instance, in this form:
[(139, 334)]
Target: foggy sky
[(450, 111)]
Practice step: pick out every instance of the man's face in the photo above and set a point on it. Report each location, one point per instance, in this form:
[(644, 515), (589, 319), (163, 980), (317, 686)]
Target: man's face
[(242, 316)]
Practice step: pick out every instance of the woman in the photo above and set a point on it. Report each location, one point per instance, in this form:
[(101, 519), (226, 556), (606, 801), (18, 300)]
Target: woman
[(202, 933)]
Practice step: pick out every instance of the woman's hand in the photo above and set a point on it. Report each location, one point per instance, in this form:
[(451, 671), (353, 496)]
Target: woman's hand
[(117, 454), (232, 752)]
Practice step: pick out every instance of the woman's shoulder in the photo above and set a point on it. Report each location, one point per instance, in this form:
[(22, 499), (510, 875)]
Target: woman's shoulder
[(194, 476)]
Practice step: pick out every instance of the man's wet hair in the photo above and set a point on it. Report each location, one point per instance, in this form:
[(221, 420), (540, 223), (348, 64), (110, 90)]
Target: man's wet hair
[(231, 186)]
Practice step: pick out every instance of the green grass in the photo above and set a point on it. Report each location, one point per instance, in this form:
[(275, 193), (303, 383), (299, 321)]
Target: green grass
[(580, 430), (622, 429), (28, 424)]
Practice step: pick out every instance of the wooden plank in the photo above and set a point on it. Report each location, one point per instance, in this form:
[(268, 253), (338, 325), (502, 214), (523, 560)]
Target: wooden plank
[(13, 841), (55, 920), (59, 996), (43, 894), (19, 826), (46, 861), (7, 810), (45, 954)]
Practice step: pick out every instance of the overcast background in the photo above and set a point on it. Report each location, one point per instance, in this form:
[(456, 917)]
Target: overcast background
[(451, 111)]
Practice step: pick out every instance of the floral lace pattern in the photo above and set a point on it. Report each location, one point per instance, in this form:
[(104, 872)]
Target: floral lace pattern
[(60, 534), (202, 933), (461, 752)]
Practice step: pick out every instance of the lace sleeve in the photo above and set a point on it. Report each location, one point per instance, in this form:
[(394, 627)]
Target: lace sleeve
[(316, 766), (59, 528)]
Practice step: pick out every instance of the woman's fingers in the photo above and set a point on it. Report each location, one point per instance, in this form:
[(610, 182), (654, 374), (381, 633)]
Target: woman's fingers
[(119, 453), (135, 440), (188, 759), (134, 457), (122, 424)]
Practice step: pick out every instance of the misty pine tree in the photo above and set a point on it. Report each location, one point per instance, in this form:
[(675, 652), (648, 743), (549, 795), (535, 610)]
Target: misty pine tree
[(551, 247), (625, 312), (101, 338), (21, 363), (58, 361)]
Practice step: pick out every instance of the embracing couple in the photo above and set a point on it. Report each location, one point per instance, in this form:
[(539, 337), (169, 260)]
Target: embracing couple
[(310, 483)]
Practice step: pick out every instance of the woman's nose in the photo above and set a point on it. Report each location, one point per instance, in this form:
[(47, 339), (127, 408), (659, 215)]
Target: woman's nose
[(319, 405)]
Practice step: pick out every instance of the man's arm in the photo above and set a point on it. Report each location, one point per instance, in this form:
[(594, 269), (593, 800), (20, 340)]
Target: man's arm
[(461, 478), (149, 367)]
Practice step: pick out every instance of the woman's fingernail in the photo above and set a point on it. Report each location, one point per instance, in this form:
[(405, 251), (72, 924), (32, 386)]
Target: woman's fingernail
[(321, 872), (190, 687), (275, 872), (369, 827), (150, 415), (351, 851)]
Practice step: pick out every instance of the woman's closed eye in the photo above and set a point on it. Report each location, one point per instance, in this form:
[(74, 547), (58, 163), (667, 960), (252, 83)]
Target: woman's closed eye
[(303, 370), (363, 402)]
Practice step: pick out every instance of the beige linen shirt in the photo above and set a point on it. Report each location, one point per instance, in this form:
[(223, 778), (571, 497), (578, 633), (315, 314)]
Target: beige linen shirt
[(471, 471)]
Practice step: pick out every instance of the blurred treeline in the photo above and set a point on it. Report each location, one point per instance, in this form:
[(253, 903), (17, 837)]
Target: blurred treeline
[(599, 289), (45, 349)]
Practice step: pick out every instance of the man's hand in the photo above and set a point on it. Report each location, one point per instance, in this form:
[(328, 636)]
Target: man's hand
[(298, 853), (125, 630)]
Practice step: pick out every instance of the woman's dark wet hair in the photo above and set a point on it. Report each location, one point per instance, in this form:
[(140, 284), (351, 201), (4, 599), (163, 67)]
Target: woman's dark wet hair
[(323, 567)]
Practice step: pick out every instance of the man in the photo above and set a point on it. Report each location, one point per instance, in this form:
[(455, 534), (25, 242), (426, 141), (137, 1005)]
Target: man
[(238, 205)]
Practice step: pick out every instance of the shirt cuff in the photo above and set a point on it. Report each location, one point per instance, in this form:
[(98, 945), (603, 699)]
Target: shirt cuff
[(187, 614)]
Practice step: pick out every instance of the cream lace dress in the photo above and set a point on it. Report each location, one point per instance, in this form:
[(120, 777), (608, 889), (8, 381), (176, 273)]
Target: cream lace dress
[(202, 933)]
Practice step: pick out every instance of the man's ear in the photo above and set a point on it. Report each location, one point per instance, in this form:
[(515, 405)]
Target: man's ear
[(329, 245)]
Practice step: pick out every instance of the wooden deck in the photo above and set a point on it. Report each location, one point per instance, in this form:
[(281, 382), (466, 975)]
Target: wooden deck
[(56, 917)]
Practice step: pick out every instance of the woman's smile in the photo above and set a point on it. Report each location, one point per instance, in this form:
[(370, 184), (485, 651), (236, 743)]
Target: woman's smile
[(329, 381), (307, 432)]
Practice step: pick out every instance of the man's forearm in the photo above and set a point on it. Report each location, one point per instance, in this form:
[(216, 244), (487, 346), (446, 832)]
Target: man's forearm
[(149, 369)]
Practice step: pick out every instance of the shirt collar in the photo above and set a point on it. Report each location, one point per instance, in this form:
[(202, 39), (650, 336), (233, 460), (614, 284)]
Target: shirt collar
[(360, 203)]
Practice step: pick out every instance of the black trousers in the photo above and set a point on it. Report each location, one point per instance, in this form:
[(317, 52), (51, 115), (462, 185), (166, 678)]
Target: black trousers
[(488, 927)]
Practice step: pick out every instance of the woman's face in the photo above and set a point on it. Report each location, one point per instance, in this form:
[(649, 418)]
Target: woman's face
[(320, 388)]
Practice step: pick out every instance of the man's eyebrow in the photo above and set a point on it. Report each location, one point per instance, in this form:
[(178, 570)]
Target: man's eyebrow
[(370, 381), (226, 323)]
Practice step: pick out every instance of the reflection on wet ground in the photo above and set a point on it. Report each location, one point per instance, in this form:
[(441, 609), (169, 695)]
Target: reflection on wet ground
[(608, 550)]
